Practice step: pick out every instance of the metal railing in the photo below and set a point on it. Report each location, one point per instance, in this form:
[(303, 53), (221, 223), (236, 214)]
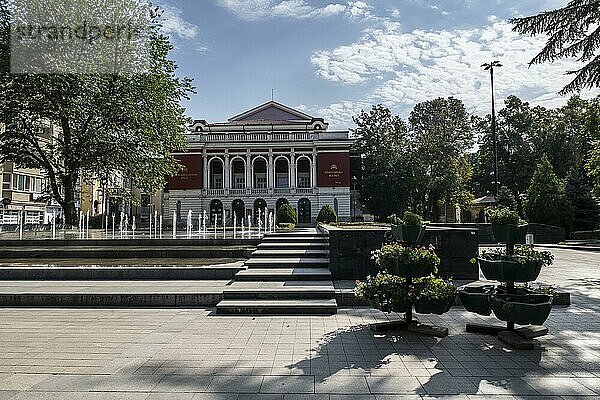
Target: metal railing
[(257, 137)]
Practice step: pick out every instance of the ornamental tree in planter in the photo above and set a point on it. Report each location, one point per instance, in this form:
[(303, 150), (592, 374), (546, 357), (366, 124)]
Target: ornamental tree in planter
[(513, 305), (409, 229)]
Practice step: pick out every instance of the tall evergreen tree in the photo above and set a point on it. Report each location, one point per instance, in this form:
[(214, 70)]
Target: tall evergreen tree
[(586, 211), (572, 32), (506, 199), (547, 201)]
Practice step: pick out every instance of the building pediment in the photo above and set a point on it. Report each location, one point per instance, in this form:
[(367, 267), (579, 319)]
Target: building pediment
[(272, 111)]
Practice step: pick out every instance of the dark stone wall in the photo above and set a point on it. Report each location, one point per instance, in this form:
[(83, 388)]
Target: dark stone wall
[(350, 251)]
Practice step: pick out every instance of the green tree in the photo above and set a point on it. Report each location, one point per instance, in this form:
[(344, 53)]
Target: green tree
[(441, 132), (117, 122), (572, 32), (586, 211), (547, 201), (506, 199), (388, 180)]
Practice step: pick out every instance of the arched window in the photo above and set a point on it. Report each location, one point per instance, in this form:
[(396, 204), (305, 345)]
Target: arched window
[(282, 173), (259, 168), (216, 173), (239, 210), (303, 173), (238, 173)]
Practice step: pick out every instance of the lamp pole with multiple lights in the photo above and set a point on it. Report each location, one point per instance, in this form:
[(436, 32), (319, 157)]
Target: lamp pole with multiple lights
[(490, 67)]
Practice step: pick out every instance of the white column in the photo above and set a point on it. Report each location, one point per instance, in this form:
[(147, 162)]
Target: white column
[(270, 171), (205, 181), (313, 170), (293, 169), (249, 177), (226, 172)]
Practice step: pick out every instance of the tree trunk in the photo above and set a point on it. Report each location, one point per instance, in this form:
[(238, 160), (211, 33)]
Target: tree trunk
[(68, 203)]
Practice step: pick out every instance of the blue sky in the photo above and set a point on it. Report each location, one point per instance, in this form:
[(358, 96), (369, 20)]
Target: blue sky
[(332, 58)]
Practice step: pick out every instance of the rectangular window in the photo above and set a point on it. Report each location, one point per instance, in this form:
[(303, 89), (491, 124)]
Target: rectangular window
[(6, 182), (38, 185), (304, 182), (239, 183), (21, 185), (261, 183), (28, 184)]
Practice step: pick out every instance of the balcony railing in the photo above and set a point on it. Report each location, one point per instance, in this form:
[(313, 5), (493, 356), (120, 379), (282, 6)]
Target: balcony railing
[(259, 192), (258, 137)]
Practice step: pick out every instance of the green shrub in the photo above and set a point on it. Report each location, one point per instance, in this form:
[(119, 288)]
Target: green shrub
[(287, 215), (409, 219), (327, 215), (504, 216)]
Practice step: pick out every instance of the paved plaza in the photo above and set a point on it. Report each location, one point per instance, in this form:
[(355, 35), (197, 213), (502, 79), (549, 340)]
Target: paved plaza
[(194, 354)]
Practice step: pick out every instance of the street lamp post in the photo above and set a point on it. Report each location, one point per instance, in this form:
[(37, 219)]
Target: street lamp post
[(490, 67), (353, 198)]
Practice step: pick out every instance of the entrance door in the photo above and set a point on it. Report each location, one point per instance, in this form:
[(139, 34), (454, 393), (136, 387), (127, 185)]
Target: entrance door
[(239, 209), (259, 204), (216, 208), (304, 215)]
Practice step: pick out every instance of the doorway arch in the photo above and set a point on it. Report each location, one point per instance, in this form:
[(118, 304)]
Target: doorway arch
[(259, 204), (238, 208), (216, 208), (280, 202)]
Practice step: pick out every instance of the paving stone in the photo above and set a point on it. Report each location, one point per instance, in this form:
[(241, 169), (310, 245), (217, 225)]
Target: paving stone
[(395, 385), (288, 384), (558, 386), (342, 385), (445, 384), (182, 383), (504, 386), (235, 384)]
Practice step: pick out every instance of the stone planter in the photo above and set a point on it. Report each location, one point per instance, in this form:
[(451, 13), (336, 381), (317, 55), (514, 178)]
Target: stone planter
[(510, 270), (408, 234), (426, 305), (476, 298), (410, 270), (522, 309), (509, 234)]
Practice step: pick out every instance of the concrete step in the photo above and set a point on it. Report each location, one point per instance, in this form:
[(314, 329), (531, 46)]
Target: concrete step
[(283, 274), (111, 293), (126, 252), (292, 307), (280, 290), (290, 238), (288, 253), (117, 272), (291, 262), (300, 245)]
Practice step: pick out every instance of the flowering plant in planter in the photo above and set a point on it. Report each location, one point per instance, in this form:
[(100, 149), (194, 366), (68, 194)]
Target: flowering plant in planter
[(434, 295), (401, 260), (505, 226), (384, 291)]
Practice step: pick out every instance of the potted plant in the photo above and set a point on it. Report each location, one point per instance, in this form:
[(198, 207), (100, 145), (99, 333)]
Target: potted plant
[(409, 229), (521, 308), (434, 295), (407, 262), (505, 226), (384, 292), (476, 298), (524, 266)]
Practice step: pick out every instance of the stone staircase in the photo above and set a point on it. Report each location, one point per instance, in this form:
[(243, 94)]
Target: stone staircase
[(287, 274)]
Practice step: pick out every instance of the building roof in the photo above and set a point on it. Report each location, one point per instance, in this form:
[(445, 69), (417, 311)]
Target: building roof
[(272, 111), (489, 199)]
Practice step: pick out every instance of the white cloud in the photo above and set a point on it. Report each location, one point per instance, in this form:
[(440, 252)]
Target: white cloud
[(254, 10), (174, 24), (402, 69)]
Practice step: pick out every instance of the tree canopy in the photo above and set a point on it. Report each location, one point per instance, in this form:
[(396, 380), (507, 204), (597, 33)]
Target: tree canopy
[(572, 32), (106, 123)]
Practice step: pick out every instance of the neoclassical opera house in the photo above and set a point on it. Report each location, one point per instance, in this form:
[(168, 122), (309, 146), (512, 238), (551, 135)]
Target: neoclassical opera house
[(261, 159)]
